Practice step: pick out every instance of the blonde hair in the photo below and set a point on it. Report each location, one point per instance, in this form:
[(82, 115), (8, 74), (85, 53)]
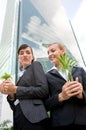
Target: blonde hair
[(61, 46)]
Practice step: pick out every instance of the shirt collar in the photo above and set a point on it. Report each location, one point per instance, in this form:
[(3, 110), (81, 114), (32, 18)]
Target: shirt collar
[(64, 74)]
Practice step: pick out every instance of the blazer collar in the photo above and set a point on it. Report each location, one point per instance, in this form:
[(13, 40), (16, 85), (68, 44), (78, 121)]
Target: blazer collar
[(54, 71)]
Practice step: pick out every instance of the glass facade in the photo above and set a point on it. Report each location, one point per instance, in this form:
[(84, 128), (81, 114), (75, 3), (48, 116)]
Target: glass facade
[(42, 23)]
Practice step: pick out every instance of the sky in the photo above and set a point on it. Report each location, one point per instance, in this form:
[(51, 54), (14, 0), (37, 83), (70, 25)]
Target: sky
[(79, 24), (76, 12)]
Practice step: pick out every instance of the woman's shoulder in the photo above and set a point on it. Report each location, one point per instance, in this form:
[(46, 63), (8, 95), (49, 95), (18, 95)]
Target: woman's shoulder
[(79, 68), (36, 62)]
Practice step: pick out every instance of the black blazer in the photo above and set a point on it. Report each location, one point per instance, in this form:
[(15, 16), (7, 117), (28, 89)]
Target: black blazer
[(69, 111), (32, 90)]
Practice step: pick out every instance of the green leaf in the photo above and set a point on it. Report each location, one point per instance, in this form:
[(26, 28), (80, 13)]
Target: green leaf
[(67, 64), (6, 76), (5, 125)]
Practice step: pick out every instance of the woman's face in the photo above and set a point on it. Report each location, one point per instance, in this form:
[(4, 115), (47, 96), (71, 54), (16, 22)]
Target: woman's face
[(25, 56), (53, 52)]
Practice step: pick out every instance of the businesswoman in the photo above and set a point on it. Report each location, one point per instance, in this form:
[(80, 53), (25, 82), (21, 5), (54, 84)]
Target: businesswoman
[(67, 101), (27, 96)]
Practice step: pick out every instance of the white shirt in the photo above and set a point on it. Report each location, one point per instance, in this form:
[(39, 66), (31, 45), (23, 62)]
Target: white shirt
[(19, 75), (64, 74)]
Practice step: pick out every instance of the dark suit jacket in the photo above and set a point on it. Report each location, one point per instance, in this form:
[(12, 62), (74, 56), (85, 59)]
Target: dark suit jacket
[(32, 90), (69, 111)]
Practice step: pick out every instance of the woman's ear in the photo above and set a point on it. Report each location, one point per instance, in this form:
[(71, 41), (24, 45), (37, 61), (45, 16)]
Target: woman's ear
[(63, 51), (33, 58)]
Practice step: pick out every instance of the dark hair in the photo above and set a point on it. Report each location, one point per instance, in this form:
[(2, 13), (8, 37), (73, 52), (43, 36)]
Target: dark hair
[(23, 46)]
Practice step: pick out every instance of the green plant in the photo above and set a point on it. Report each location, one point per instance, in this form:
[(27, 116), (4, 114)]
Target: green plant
[(67, 64), (6, 76), (5, 125)]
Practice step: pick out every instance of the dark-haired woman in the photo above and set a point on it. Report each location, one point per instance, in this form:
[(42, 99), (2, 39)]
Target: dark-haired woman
[(27, 96)]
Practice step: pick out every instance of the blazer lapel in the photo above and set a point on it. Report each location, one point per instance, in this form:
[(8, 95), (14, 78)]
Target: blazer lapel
[(56, 73), (21, 75), (19, 79)]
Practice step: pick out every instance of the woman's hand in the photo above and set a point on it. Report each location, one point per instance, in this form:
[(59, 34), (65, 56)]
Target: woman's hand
[(71, 89), (7, 87)]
